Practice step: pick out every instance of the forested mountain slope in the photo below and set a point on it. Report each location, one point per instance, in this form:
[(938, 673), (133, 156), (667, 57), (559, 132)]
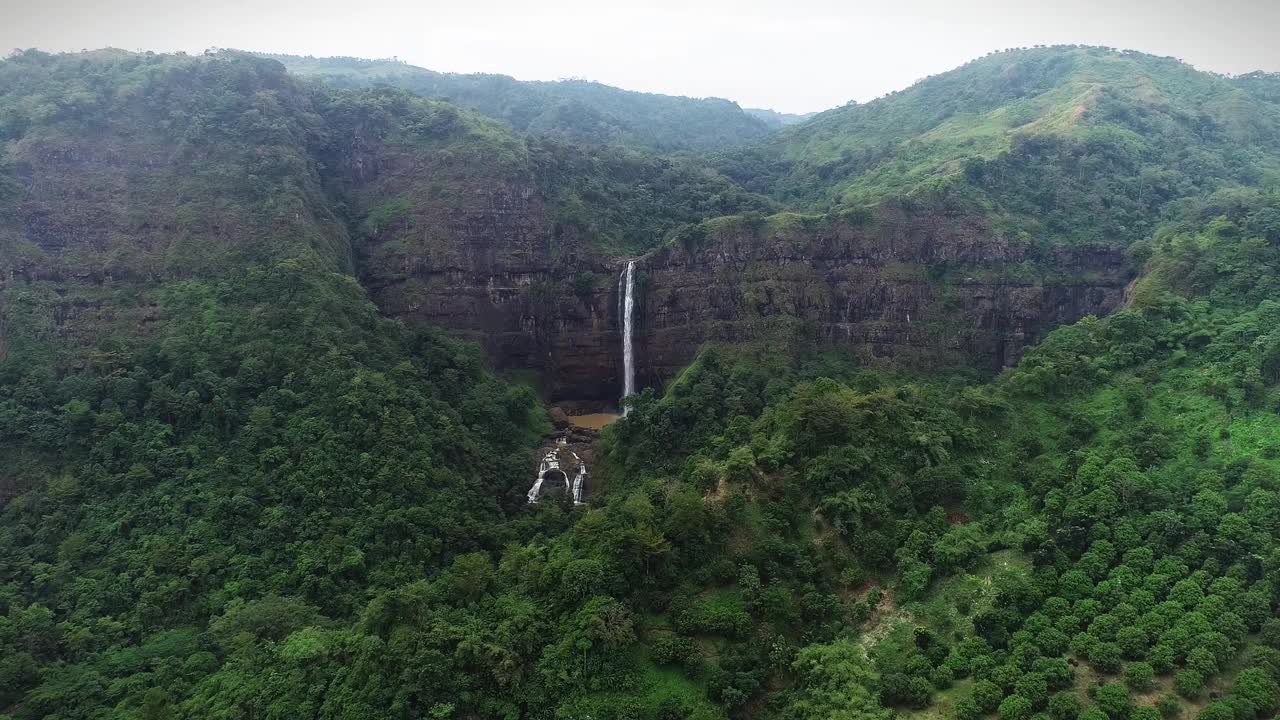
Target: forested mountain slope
[(231, 487), (775, 119), (1068, 143), (200, 405), (572, 110)]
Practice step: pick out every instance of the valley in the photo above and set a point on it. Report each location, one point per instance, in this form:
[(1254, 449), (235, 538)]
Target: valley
[(338, 388)]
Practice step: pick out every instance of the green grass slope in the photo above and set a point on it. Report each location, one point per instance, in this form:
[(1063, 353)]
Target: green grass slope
[(1068, 143)]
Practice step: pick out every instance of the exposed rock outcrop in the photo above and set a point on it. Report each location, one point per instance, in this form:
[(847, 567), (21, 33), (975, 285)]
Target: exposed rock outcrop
[(446, 222), (923, 288), (489, 263)]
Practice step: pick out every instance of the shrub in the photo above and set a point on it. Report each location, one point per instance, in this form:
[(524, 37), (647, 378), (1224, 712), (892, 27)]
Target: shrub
[(671, 649), (1169, 706), (966, 708)]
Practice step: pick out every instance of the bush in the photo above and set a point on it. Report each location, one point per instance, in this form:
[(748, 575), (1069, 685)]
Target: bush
[(1144, 712), (1219, 710), (966, 708), (721, 614), (1169, 706), (669, 649), (942, 677)]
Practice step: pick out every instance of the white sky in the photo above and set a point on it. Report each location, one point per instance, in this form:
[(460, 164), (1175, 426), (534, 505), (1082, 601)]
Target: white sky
[(790, 55)]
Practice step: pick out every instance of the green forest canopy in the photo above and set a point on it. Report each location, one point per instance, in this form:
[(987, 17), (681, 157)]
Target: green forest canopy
[(274, 503)]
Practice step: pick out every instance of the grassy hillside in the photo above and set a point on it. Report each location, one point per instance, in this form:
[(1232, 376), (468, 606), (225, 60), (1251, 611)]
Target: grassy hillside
[(572, 110), (1071, 144)]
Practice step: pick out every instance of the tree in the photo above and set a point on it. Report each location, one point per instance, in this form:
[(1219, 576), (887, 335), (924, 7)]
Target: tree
[(1064, 706), (1034, 687), (1270, 633), (1202, 660), (1139, 676), (1259, 689), (1113, 699), (987, 695), (833, 682), (1133, 642), (1106, 656), (1015, 707), (1189, 684)]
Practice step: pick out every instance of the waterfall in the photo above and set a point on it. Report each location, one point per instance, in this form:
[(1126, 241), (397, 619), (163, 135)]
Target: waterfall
[(578, 480), (626, 287)]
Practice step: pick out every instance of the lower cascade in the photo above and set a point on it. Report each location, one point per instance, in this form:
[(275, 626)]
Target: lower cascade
[(626, 286), (554, 472)]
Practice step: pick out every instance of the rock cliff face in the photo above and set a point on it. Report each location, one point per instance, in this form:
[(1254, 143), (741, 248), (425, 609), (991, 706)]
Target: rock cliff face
[(494, 271), (487, 259), (451, 221), (923, 289), (446, 242)]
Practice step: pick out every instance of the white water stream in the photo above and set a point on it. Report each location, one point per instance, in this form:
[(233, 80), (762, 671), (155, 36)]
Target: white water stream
[(627, 284)]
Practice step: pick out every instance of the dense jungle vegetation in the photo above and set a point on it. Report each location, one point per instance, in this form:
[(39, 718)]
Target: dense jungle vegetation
[(231, 489)]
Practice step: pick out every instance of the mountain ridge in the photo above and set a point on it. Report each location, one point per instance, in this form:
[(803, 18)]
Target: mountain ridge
[(580, 110)]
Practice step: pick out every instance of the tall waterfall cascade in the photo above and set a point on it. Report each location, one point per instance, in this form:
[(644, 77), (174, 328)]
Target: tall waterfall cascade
[(626, 288)]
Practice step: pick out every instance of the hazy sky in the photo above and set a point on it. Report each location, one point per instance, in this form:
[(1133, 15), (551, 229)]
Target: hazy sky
[(792, 55)]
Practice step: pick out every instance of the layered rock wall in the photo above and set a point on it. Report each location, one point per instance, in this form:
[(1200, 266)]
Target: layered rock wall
[(920, 289)]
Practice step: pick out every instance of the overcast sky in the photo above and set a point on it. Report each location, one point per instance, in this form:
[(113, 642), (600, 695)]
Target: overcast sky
[(791, 55)]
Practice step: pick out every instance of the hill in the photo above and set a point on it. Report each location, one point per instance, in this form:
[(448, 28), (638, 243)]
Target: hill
[(573, 110), (1071, 144), (777, 119)]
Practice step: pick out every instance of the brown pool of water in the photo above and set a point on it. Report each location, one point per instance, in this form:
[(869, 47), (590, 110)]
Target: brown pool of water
[(594, 421)]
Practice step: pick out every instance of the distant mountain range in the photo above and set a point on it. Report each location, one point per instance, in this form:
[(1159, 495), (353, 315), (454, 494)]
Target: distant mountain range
[(578, 110)]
